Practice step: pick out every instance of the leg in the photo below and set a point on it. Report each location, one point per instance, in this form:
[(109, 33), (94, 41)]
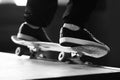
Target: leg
[(40, 12), (78, 11)]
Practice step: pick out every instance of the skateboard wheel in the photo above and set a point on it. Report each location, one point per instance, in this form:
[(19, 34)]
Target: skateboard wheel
[(19, 51), (64, 56)]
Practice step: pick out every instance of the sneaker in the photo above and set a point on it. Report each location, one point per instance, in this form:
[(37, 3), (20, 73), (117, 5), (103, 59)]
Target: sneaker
[(32, 33), (81, 39)]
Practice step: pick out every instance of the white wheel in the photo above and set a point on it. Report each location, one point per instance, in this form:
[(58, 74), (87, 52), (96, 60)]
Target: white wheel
[(64, 56), (19, 51)]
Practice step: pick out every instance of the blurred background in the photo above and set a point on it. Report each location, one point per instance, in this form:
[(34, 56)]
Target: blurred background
[(106, 19)]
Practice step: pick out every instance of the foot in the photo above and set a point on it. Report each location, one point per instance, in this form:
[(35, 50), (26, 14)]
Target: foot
[(82, 40), (32, 33)]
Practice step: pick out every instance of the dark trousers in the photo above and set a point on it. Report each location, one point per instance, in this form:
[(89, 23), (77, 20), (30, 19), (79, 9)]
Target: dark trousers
[(41, 12)]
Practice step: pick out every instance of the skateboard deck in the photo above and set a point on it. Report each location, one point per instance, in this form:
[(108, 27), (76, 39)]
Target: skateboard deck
[(51, 46), (45, 46)]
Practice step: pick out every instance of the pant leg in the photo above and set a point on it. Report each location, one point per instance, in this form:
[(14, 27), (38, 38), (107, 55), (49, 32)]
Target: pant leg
[(78, 11), (40, 12)]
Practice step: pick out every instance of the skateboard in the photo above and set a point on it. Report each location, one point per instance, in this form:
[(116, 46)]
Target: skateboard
[(65, 52)]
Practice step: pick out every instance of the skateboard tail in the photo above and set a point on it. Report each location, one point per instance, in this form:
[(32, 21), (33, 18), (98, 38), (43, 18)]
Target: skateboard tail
[(92, 51), (21, 42)]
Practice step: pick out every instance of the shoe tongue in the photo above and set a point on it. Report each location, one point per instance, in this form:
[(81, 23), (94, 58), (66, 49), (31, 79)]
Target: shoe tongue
[(71, 27)]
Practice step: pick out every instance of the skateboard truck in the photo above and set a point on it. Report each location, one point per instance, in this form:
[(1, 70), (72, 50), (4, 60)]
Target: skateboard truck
[(63, 56)]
